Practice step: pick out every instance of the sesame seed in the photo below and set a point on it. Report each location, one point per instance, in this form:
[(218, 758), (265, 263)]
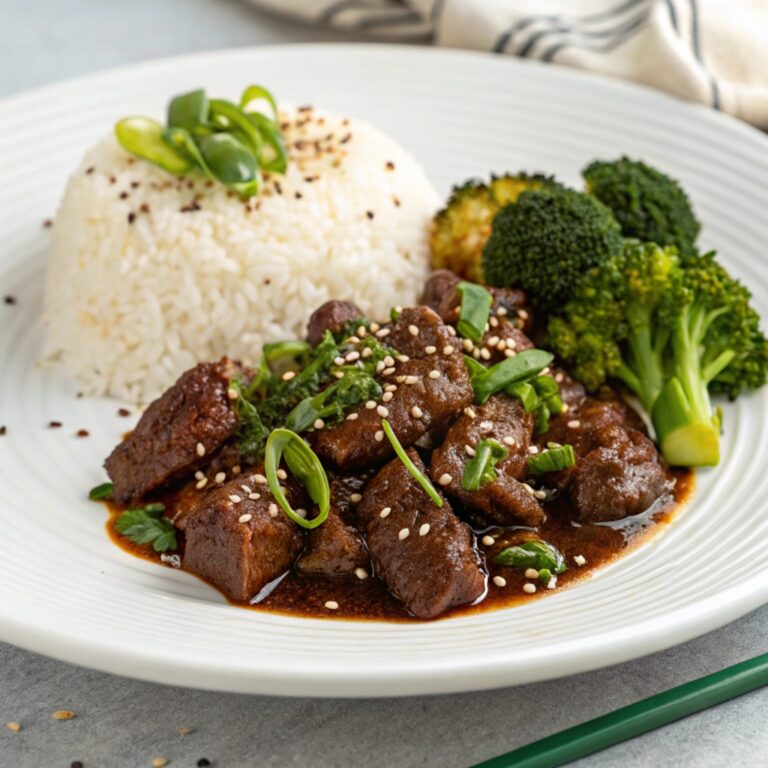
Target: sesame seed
[(529, 588), (388, 371), (319, 424), (416, 412), (199, 475), (282, 474), (220, 477), (385, 512), (234, 498), (288, 375), (353, 417), (574, 423), (389, 361), (499, 581), (232, 393), (383, 332), (486, 425), (470, 450), (559, 378), (200, 449), (509, 352), (254, 496), (493, 341), (370, 405), (378, 436), (403, 358), (540, 495), (448, 350), (501, 311), (508, 440), (260, 478), (386, 397), (63, 714), (273, 510), (367, 352), (528, 488), (200, 484), (338, 374), (301, 512), (361, 574), (159, 762), (552, 583), (493, 322), (470, 412), (404, 534), (424, 529), (534, 449), (544, 371), (467, 344), (390, 388), (451, 330), (445, 479), (580, 560), (412, 379), (485, 354), (564, 409), (489, 541), (352, 356), (434, 374), (15, 727), (338, 361), (375, 327), (183, 731), (413, 330), (522, 314), (332, 605), (511, 343), (502, 345), (361, 331), (380, 366), (382, 411), (244, 518), (430, 350)]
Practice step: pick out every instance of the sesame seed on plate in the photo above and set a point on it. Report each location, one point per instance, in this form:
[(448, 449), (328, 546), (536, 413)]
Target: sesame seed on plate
[(383, 332), (580, 560), (499, 581), (531, 573), (403, 358), (486, 425), (379, 436), (574, 423), (390, 388), (445, 479), (509, 352), (370, 405), (451, 330), (367, 352), (467, 344), (470, 412), (273, 510), (288, 375), (552, 583), (404, 534), (200, 484), (15, 727), (416, 412), (386, 397), (382, 411), (559, 377), (508, 440), (430, 350), (361, 573), (534, 449), (388, 371), (485, 354), (424, 529), (220, 477), (448, 350), (282, 474), (234, 498), (501, 311), (380, 366), (375, 327), (529, 588), (529, 489), (511, 343), (245, 489), (493, 341), (301, 512), (338, 360), (502, 345), (361, 331), (339, 374), (385, 512), (434, 374), (400, 379), (200, 449), (470, 450), (355, 497), (245, 518), (564, 408), (413, 330), (412, 379), (353, 417), (489, 541), (319, 424), (254, 496), (493, 322), (522, 314), (260, 478), (331, 605), (352, 356), (63, 714), (199, 475), (160, 762), (540, 495), (232, 393), (389, 361)]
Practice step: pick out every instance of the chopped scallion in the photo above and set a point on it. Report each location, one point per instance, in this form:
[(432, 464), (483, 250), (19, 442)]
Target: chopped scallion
[(481, 468), (552, 460), (511, 370), (475, 308)]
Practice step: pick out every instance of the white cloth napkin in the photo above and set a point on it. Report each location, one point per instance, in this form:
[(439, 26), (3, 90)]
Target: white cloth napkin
[(710, 51)]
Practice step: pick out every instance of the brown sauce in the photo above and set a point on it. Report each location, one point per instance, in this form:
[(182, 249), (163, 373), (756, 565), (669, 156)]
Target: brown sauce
[(301, 595)]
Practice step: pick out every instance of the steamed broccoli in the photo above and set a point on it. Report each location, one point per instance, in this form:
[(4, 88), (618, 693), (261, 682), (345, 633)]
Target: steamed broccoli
[(648, 204), (459, 230), (671, 331), (545, 241)]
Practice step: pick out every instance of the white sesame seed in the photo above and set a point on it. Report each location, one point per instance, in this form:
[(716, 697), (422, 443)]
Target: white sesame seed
[(445, 479), (319, 424), (489, 541), (470, 450), (282, 474), (234, 498), (331, 605), (232, 393), (540, 495), (511, 343), (574, 423), (528, 488), (434, 374), (350, 357), (403, 358), (259, 478), (199, 475), (353, 417), (448, 350), (493, 341), (220, 477), (534, 449), (288, 375), (531, 573), (499, 581), (476, 353), (390, 388), (416, 412), (338, 361), (338, 374), (493, 322), (200, 449), (400, 379), (467, 344), (430, 350), (367, 352), (529, 588), (254, 496), (386, 397), (486, 425), (385, 512), (501, 311), (564, 409), (559, 377), (201, 483), (413, 330), (355, 498), (451, 330), (382, 411), (509, 352), (361, 331), (383, 332), (522, 314), (552, 583), (379, 436), (389, 361), (411, 379), (273, 510), (544, 371), (301, 512), (580, 560), (244, 518), (388, 371), (245, 489), (404, 534), (380, 366), (236, 469), (375, 327), (370, 404), (424, 529), (470, 412), (508, 440), (502, 345), (361, 574), (485, 354)]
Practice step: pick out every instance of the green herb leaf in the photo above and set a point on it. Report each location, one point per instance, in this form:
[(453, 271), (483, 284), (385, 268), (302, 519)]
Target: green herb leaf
[(523, 366), (146, 526), (545, 575), (526, 394), (304, 465), (481, 468), (251, 432), (101, 492), (552, 460), (476, 304), (536, 554), (419, 476)]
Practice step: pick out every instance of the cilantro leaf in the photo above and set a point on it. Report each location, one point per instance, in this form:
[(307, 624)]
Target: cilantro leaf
[(146, 525)]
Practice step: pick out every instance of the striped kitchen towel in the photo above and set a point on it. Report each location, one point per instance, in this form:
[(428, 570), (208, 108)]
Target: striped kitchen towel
[(711, 51)]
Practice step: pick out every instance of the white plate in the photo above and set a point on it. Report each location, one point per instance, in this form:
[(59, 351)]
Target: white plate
[(66, 591)]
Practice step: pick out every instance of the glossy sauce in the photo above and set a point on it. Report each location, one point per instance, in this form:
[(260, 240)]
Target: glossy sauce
[(297, 594)]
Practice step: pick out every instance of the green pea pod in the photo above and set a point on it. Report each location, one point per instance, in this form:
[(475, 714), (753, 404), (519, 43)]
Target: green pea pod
[(255, 92), (232, 119), (188, 109), (145, 138), (273, 156)]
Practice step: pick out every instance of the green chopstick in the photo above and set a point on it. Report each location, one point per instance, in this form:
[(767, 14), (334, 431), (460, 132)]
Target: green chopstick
[(637, 718)]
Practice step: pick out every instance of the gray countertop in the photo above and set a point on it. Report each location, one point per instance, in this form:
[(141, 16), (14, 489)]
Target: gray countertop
[(124, 723)]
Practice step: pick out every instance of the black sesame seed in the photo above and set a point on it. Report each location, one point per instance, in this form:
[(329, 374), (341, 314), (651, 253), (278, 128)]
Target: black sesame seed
[(82, 433), (131, 217), (123, 412), (54, 424), (123, 195), (369, 214), (90, 170), (10, 300), (76, 764), (47, 223), (3, 430), (203, 762)]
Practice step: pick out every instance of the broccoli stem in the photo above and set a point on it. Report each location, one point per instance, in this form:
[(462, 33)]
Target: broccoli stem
[(643, 373)]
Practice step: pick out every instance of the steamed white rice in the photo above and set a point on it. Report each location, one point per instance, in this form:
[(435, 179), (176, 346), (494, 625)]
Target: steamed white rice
[(132, 304)]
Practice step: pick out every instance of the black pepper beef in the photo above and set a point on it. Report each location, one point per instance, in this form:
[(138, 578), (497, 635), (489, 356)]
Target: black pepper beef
[(506, 500), (432, 384), (177, 433), (336, 548), (331, 316), (435, 566), (238, 539)]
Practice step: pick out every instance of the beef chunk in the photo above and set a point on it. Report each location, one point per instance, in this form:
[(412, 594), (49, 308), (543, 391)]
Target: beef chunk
[(572, 393), (435, 566), (507, 500), (621, 476), (240, 546), (431, 384), (331, 316), (177, 433), (336, 548)]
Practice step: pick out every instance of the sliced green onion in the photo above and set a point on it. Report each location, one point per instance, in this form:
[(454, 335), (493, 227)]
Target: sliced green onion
[(188, 109), (552, 460), (525, 393), (231, 162), (545, 385), (521, 367), (273, 156), (254, 93), (419, 476), (143, 137), (481, 468), (545, 575), (475, 308), (230, 117), (536, 554), (101, 492), (304, 465)]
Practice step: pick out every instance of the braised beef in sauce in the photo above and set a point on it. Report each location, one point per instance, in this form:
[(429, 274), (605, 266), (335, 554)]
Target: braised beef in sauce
[(387, 549)]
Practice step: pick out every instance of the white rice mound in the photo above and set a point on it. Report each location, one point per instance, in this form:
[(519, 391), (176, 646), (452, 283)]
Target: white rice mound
[(141, 288)]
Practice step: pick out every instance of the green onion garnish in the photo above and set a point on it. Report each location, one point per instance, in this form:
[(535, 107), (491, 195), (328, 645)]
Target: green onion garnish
[(475, 308), (521, 367), (223, 140), (304, 465), (525, 393), (536, 554), (552, 460), (101, 492), (147, 526), (419, 476), (481, 468)]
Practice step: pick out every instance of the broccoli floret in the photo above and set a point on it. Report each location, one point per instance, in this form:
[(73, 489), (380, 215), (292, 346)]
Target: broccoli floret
[(649, 205), (460, 230), (672, 331), (544, 242)]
